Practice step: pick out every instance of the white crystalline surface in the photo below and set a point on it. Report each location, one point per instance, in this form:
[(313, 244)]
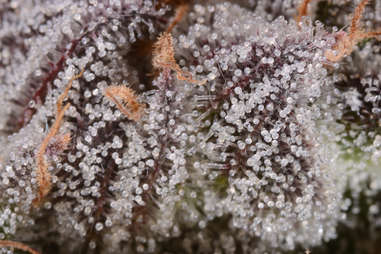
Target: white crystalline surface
[(255, 160)]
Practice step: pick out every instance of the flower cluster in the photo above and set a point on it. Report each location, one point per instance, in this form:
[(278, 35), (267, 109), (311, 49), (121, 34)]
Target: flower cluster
[(146, 126)]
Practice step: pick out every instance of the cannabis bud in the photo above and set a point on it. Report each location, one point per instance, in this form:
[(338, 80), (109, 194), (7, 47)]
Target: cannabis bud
[(146, 126)]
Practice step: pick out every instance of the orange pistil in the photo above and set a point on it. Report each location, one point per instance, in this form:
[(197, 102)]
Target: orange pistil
[(17, 245), (129, 105), (302, 10), (164, 58), (181, 10), (43, 175), (347, 41)]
